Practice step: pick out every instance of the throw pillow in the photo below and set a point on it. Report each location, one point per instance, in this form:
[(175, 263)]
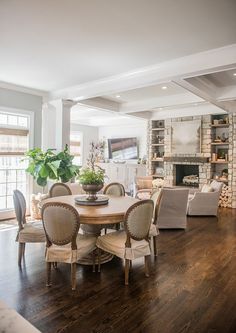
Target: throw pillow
[(206, 188)]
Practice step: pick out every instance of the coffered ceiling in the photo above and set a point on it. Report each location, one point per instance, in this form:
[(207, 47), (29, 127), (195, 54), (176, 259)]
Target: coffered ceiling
[(116, 56)]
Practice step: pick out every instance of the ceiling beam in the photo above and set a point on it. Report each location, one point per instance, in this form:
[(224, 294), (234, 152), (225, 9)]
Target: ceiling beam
[(193, 65)]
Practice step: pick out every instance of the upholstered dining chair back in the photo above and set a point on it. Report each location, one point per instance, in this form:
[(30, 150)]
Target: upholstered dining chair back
[(20, 207), (59, 189), (156, 197), (115, 189), (138, 219), (172, 212), (61, 223)]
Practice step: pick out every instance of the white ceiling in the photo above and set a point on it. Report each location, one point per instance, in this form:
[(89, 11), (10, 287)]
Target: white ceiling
[(51, 45), (135, 95), (83, 115)]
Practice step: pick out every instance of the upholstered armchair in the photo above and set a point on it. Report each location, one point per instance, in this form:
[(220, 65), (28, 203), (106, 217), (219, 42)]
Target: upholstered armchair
[(172, 211), (143, 187), (205, 202)]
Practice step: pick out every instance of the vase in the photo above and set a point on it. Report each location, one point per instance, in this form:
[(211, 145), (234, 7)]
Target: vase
[(92, 190)]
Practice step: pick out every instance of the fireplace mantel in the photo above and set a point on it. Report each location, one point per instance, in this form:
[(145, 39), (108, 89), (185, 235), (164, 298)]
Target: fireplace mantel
[(189, 159)]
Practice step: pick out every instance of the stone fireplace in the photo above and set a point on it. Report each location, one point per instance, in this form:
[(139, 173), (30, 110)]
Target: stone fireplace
[(187, 175)]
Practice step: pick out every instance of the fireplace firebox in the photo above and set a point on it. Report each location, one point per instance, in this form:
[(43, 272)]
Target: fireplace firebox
[(187, 175)]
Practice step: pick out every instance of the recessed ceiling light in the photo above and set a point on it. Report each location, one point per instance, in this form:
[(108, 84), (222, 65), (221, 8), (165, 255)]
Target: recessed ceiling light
[(160, 108), (117, 96), (234, 74), (164, 87)]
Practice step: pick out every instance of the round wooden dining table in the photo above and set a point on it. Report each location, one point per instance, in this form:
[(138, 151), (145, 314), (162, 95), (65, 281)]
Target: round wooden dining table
[(94, 218), (111, 213)]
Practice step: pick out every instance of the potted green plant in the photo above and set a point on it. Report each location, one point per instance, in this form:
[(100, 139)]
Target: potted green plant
[(92, 177), (51, 165)]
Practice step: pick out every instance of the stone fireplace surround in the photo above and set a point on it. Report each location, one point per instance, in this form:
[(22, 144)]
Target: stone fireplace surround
[(201, 159), (170, 172)]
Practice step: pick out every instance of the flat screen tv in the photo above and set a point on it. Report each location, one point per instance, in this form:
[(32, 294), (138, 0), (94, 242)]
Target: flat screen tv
[(123, 148)]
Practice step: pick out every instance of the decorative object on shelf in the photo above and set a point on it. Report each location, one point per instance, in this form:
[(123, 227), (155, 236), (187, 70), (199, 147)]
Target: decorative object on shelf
[(159, 139), (214, 157), (225, 137), (50, 165), (222, 154), (160, 123), (159, 172), (92, 177)]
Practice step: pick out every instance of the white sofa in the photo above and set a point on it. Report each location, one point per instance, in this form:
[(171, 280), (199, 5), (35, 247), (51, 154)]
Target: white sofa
[(205, 203)]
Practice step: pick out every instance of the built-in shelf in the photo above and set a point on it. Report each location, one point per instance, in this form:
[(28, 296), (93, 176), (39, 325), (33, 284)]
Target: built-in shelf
[(157, 176), (158, 129), (158, 159), (219, 143), (158, 144), (220, 126), (219, 162)]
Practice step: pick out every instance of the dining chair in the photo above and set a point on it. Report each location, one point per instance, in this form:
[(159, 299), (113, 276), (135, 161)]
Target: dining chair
[(64, 243), (117, 190), (28, 232), (133, 241), (59, 189)]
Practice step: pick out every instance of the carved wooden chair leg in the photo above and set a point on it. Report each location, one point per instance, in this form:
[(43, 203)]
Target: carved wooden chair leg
[(130, 265), (105, 231), (24, 249), (20, 252), (94, 258), (99, 260), (147, 263), (127, 265), (49, 283), (54, 264), (73, 276), (155, 246)]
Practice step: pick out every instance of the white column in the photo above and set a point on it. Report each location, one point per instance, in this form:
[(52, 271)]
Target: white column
[(56, 124)]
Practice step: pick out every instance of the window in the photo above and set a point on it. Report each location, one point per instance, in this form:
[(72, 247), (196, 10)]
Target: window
[(14, 141), (76, 147)]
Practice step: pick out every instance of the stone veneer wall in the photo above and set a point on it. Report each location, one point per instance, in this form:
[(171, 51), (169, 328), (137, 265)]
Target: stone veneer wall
[(205, 170)]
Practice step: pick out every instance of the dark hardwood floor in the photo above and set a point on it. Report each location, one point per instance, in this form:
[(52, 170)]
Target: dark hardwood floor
[(192, 287)]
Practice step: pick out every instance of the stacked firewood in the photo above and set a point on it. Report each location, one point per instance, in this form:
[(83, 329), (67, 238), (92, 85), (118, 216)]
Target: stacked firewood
[(224, 197)]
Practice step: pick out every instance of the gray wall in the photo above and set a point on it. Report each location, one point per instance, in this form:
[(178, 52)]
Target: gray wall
[(90, 133), (26, 102)]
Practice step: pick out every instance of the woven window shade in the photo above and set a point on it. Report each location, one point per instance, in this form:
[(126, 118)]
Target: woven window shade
[(13, 141)]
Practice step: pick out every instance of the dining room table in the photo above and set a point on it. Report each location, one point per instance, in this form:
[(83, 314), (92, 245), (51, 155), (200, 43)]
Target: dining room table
[(93, 218)]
